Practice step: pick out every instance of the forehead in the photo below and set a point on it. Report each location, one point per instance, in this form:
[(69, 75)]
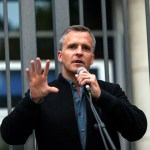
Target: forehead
[(78, 36)]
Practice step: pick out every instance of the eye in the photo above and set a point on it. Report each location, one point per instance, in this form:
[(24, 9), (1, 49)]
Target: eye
[(86, 48), (72, 46)]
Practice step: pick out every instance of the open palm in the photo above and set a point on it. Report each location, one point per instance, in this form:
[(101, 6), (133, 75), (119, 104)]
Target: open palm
[(38, 83)]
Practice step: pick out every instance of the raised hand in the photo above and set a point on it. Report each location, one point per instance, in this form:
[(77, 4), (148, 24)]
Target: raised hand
[(38, 83)]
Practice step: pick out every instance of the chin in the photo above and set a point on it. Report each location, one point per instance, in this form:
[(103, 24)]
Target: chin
[(75, 67)]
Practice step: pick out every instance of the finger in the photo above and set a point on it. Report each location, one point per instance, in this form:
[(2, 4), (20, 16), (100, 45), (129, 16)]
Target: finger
[(39, 67), (83, 77), (85, 81), (28, 74), (83, 71), (33, 68), (53, 89), (46, 69), (77, 76)]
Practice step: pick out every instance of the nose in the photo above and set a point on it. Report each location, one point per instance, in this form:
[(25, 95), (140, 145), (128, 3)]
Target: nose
[(79, 50)]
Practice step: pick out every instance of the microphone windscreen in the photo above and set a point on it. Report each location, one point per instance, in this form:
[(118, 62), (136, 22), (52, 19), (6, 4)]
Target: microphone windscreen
[(80, 69)]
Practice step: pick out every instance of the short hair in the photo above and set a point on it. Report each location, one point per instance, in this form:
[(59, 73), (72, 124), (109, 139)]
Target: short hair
[(80, 28)]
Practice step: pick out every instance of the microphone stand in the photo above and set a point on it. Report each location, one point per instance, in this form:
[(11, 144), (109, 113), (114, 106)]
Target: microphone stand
[(101, 125)]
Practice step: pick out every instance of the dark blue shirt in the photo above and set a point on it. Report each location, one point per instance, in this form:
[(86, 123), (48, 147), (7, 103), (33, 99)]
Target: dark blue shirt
[(80, 111)]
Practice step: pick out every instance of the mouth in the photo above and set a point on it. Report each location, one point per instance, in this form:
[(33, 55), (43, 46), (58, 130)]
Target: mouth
[(78, 61)]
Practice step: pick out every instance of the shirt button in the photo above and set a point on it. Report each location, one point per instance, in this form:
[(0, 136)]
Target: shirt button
[(76, 98), (82, 130), (74, 87), (79, 113)]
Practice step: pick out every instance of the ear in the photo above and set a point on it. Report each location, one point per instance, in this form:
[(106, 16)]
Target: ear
[(92, 59), (59, 54)]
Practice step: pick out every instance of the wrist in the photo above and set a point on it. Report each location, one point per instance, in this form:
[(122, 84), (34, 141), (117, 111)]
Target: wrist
[(36, 100)]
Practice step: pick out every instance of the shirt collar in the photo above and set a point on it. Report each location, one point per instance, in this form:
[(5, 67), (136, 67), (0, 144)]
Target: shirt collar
[(71, 83)]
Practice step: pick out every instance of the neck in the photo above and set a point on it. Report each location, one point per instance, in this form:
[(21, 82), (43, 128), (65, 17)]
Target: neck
[(70, 76)]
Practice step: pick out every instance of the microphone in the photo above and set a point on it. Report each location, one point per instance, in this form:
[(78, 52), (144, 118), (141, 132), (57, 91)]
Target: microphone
[(99, 125), (80, 70)]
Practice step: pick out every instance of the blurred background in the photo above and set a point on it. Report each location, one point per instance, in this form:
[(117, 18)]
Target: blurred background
[(32, 28)]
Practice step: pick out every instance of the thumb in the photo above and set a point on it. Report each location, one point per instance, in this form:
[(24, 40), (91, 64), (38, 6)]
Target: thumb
[(76, 75), (53, 89)]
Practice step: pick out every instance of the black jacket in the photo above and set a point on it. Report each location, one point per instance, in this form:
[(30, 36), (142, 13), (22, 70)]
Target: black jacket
[(56, 126)]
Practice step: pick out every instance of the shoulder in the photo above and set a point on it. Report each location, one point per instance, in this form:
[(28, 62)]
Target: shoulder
[(105, 84), (110, 87), (60, 82)]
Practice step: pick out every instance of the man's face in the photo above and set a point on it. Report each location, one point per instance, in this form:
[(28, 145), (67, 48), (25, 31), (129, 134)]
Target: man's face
[(77, 52)]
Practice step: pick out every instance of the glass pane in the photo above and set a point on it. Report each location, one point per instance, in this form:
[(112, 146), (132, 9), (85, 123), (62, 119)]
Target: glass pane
[(93, 14), (1, 16), (2, 50), (3, 145), (13, 15), (45, 48), (14, 48), (43, 15)]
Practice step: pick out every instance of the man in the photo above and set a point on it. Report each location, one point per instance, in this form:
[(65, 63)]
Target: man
[(60, 112)]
